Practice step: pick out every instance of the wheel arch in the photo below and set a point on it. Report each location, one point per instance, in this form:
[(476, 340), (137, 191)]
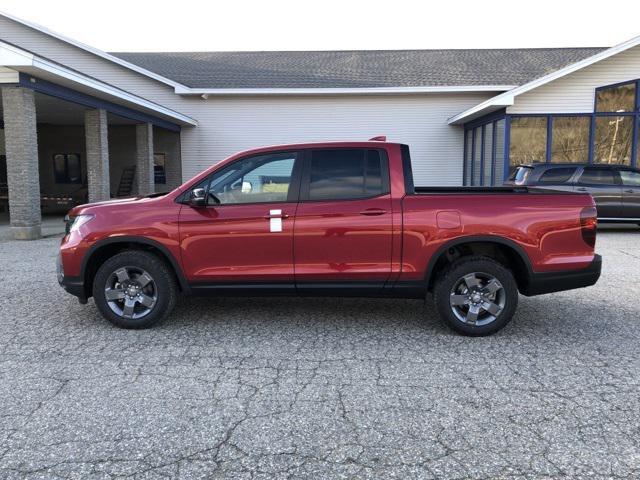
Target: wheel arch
[(515, 257), (104, 249)]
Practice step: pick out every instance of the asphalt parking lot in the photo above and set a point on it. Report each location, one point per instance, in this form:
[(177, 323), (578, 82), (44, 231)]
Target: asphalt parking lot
[(316, 388)]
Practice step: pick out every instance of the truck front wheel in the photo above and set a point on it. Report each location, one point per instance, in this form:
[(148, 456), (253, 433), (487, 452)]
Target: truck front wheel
[(134, 289), (476, 296)]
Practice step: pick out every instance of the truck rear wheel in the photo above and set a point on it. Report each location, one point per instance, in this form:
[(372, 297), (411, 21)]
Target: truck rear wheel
[(476, 296), (134, 289)]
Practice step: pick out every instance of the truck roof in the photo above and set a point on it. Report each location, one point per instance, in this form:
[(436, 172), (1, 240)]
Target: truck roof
[(329, 144)]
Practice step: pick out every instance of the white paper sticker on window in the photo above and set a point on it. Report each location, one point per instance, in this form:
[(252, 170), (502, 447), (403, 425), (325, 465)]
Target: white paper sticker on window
[(275, 223)]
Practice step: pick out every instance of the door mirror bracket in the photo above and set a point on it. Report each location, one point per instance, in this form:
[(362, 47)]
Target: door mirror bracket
[(197, 197)]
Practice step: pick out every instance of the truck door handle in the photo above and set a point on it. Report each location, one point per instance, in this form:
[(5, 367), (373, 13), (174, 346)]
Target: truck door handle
[(629, 191), (276, 215), (581, 189), (373, 211)]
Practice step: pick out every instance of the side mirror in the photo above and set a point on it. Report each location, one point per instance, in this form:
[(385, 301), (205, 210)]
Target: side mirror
[(197, 197)]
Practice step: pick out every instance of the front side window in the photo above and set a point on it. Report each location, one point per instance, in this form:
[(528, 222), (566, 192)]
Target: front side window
[(618, 98), (346, 174), (260, 179), (597, 176), (528, 141), (613, 138), (630, 178), (557, 176), (66, 168)]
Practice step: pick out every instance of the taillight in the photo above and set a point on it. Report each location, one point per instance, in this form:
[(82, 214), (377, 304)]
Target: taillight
[(588, 225)]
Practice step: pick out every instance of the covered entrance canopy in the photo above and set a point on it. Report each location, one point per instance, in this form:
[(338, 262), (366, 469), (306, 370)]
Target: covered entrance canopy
[(68, 136)]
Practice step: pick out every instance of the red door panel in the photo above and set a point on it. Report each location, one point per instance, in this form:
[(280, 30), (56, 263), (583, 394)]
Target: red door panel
[(234, 243), (347, 240)]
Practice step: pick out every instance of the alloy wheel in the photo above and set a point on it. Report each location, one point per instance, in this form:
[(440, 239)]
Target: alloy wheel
[(477, 298), (131, 292)]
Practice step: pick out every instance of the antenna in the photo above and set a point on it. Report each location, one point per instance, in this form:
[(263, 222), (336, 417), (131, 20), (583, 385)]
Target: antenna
[(379, 138)]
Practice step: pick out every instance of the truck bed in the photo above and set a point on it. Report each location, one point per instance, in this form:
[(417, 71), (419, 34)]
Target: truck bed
[(487, 190)]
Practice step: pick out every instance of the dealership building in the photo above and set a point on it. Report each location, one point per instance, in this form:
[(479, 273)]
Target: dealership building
[(79, 124)]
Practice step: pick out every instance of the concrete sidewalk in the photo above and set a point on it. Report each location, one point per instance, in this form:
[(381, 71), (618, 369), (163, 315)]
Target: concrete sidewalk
[(52, 226)]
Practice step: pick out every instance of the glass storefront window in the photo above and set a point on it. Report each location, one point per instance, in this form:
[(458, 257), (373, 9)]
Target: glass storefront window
[(610, 134), (485, 166), (476, 156), (613, 138), (468, 164), (499, 170), (570, 139), (528, 142), (619, 98), (638, 142), (488, 151)]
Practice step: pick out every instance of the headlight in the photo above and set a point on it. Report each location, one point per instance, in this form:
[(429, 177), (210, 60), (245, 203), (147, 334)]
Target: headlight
[(74, 223)]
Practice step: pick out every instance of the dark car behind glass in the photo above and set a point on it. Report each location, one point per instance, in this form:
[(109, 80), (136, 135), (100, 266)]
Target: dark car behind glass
[(615, 188)]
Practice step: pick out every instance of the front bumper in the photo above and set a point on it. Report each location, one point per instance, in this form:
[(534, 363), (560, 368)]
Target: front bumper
[(548, 282), (73, 285)]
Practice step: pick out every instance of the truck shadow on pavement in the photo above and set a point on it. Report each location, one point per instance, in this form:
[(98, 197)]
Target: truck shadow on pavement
[(553, 316)]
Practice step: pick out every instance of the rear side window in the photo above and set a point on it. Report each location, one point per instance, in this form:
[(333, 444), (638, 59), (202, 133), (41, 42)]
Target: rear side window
[(597, 176), (557, 175), (630, 178), (345, 174)]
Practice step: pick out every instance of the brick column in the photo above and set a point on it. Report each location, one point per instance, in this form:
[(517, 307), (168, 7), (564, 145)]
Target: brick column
[(95, 130), (144, 159), (23, 177)]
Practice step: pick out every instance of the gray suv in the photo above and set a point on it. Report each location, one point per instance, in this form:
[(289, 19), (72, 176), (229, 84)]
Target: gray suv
[(615, 188)]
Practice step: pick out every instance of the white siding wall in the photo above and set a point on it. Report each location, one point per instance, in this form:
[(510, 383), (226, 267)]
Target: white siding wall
[(575, 93), (232, 124), (8, 75)]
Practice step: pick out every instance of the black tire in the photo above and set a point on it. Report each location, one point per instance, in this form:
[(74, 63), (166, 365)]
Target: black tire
[(162, 288), (503, 301)]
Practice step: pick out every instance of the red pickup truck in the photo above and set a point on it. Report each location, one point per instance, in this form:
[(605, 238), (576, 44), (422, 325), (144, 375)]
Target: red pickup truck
[(331, 219)]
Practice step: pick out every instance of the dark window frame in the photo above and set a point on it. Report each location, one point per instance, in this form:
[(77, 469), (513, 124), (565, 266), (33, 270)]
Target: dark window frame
[(64, 178), (547, 129), (306, 175), (496, 116), (551, 120), (634, 137), (619, 84), (592, 131), (469, 150)]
